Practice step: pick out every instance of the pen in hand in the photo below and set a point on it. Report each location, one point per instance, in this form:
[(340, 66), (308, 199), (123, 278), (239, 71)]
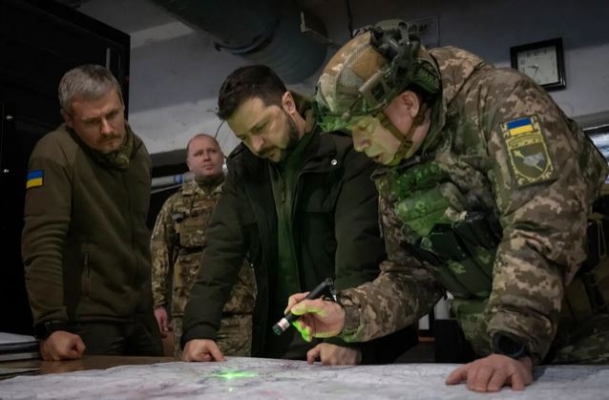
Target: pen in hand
[(285, 322)]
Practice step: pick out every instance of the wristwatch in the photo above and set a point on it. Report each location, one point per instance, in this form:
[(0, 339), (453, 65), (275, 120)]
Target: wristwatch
[(43, 330), (509, 347)]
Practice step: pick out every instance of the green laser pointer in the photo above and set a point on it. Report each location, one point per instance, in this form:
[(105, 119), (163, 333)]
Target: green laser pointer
[(284, 323)]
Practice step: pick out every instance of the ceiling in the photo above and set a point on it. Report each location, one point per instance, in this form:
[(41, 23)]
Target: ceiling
[(72, 3)]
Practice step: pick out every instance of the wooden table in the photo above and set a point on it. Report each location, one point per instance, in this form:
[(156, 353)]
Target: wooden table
[(87, 362)]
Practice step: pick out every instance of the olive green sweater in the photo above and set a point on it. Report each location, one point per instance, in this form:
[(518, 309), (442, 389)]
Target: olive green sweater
[(85, 243)]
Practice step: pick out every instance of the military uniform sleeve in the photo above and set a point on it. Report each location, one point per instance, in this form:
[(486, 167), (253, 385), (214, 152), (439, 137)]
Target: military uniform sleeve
[(162, 250), (543, 201), (226, 243), (47, 217), (404, 291)]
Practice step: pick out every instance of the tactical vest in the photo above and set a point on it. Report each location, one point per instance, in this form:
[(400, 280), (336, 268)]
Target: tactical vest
[(190, 219), (444, 229), (191, 224)]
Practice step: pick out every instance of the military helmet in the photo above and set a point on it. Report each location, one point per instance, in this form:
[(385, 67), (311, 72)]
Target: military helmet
[(375, 66)]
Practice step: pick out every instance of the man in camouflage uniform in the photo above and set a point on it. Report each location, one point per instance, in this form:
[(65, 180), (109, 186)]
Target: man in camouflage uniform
[(176, 245), (486, 193)]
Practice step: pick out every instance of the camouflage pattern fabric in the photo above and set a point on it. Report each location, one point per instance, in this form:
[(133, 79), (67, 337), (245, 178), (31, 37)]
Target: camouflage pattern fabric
[(176, 246), (584, 343), (338, 98), (509, 150), (118, 159)]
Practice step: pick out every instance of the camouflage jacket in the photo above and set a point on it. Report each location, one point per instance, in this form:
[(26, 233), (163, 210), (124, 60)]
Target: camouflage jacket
[(177, 245), (511, 151)]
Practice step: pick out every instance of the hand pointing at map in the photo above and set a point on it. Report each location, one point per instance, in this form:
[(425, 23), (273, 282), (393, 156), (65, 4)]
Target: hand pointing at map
[(202, 350)]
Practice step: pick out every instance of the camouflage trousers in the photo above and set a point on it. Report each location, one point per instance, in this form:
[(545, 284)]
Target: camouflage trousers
[(234, 336)]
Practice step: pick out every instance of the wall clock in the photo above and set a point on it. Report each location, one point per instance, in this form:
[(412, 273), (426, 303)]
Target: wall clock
[(542, 61)]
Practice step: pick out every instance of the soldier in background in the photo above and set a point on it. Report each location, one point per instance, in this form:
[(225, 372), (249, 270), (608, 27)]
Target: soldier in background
[(177, 244), (486, 193)]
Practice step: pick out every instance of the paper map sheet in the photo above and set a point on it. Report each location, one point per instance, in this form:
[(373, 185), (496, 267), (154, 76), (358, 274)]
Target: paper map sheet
[(252, 378)]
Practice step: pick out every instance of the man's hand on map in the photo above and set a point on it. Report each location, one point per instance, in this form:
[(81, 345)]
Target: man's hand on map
[(319, 318), (202, 350), (161, 318), (331, 354), (62, 345), (490, 374)]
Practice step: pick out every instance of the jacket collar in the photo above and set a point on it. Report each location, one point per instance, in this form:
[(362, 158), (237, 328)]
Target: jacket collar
[(304, 105), (192, 187), (320, 155), (455, 66), (136, 143)]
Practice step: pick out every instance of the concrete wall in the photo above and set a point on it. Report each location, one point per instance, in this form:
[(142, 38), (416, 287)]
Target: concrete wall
[(176, 72)]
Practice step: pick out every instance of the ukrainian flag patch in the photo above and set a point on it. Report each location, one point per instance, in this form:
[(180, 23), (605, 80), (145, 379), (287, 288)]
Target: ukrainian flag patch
[(520, 126), (530, 160), (35, 179)]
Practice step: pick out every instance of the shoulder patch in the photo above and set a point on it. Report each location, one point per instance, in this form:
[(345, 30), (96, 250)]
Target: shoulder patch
[(529, 159), (35, 179)]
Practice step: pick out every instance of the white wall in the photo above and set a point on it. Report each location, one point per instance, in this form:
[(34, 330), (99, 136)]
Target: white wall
[(490, 28), (176, 72)]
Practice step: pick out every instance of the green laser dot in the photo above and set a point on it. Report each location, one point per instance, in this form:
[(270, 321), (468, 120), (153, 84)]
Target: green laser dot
[(228, 375)]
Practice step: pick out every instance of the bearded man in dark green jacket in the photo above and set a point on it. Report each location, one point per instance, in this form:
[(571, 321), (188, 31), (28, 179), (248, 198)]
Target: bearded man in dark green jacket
[(302, 206), (85, 243)]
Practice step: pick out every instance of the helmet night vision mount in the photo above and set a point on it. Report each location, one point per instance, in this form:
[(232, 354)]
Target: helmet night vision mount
[(368, 72), (392, 40)]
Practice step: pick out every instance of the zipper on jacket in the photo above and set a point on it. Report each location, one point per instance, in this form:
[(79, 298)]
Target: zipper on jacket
[(132, 228), (86, 287), (300, 183)]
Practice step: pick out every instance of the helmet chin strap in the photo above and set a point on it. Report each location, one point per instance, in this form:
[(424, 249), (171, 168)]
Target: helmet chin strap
[(404, 139)]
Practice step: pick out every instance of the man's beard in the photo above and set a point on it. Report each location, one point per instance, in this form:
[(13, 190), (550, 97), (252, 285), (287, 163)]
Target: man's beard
[(293, 137)]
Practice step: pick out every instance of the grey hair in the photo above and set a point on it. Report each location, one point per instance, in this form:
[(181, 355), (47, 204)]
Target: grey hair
[(89, 82)]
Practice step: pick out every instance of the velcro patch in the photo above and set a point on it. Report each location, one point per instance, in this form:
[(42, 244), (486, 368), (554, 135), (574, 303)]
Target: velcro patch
[(35, 179), (530, 161)]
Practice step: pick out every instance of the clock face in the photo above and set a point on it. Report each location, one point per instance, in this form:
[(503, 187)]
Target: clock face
[(541, 64)]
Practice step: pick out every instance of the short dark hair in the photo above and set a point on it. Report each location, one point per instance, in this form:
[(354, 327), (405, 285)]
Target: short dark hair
[(246, 83), (202, 135)]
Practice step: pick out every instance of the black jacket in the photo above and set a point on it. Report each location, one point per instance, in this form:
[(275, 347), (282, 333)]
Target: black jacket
[(336, 234)]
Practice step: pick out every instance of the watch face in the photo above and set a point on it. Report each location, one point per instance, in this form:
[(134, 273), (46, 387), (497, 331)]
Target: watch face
[(508, 347), (540, 64)]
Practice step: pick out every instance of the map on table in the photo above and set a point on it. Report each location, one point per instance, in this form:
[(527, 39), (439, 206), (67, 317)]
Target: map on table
[(255, 378)]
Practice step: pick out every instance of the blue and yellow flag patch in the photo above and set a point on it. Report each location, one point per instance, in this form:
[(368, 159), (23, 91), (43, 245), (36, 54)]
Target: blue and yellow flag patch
[(529, 159), (519, 126), (34, 179)]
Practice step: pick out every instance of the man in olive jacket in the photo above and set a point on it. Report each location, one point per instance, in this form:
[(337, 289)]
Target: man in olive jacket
[(85, 243), (302, 206)]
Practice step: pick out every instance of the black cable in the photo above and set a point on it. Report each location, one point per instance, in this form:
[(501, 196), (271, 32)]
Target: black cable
[(349, 17), (218, 129), (216, 137)]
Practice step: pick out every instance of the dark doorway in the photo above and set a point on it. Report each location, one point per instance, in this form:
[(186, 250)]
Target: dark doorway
[(39, 41)]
